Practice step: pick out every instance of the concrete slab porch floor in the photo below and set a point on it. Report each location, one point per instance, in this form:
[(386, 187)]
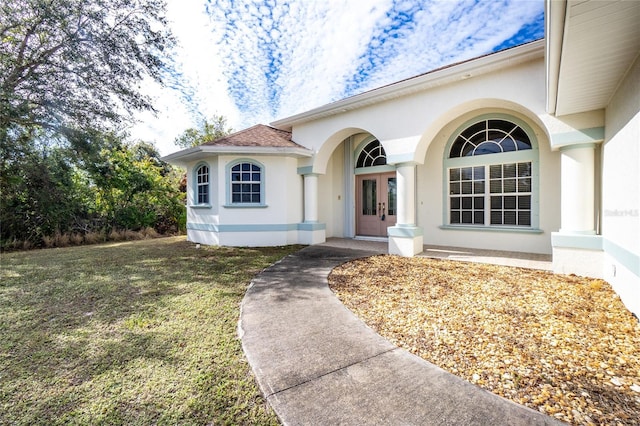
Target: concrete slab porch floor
[(318, 364), (496, 257)]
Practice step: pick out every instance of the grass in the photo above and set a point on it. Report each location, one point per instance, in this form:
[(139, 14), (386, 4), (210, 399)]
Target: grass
[(139, 332)]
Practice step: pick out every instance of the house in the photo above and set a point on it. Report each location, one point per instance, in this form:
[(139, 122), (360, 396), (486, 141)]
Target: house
[(533, 149)]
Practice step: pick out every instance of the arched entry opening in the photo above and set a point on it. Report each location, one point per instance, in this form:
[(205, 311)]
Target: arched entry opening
[(375, 190)]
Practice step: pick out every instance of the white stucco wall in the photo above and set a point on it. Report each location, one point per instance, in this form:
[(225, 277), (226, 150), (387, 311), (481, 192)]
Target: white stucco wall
[(431, 201), (271, 224), (331, 206), (406, 126), (417, 128), (203, 215), (621, 190)]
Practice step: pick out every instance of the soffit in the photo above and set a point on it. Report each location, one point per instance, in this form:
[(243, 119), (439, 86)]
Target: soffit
[(600, 42)]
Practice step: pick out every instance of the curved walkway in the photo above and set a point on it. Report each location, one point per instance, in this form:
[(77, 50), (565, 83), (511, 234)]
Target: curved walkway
[(318, 364)]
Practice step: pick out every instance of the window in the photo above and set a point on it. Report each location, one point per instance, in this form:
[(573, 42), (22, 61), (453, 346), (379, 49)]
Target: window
[(489, 173), (372, 155), (202, 184), (490, 137), (246, 183)]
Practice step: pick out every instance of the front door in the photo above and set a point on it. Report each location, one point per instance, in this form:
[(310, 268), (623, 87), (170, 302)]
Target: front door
[(376, 204)]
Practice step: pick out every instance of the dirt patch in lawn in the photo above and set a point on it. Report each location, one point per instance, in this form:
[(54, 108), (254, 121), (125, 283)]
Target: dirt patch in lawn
[(563, 345)]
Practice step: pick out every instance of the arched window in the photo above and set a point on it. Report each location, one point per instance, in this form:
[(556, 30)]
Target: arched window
[(202, 184), (490, 172), (246, 183), (372, 155), (490, 137)]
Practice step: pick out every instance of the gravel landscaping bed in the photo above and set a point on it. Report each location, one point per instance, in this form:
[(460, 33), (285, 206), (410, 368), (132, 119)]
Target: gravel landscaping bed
[(561, 344)]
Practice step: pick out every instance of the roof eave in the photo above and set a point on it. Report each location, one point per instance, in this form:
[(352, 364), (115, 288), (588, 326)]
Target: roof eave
[(192, 154), (447, 75), (555, 12)]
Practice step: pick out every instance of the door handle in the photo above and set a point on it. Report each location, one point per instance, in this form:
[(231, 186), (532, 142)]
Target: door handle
[(382, 217)]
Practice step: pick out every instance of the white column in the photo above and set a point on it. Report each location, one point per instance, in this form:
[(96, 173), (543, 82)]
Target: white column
[(405, 239), (406, 178), (311, 231), (576, 247), (577, 189), (311, 198)]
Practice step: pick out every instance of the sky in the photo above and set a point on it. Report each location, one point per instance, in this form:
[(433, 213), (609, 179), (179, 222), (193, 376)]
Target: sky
[(256, 61)]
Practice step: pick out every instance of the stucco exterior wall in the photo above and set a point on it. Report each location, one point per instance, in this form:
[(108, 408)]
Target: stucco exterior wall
[(431, 196), (621, 189), (221, 223), (406, 126), (331, 209), (416, 129)]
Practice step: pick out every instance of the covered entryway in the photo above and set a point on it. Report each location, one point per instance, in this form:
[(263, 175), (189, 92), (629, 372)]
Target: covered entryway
[(376, 204)]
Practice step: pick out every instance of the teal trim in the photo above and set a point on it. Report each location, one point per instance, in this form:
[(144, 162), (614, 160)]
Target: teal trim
[(493, 116), (362, 145), (259, 228), (375, 169), (585, 242), (515, 230), (625, 257), (245, 206), (311, 226), (500, 158), (210, 227), (265, 227), (527, 155), (307, 170), (590, 145), (628, 259), (591, 135), (200, 206), (400, 231), (194, 188), (227, 173)]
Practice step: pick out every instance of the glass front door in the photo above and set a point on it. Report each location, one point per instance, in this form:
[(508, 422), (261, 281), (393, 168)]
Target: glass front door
[(376, 205)]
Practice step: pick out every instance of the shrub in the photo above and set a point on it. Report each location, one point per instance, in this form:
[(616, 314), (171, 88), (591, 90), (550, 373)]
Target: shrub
[(61, 240), (76, 239)]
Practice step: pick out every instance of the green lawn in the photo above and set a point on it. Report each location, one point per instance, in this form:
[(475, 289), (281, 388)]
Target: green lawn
[(130, 333)]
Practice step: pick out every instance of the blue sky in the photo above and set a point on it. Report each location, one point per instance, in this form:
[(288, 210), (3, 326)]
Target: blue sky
[(257, 61)]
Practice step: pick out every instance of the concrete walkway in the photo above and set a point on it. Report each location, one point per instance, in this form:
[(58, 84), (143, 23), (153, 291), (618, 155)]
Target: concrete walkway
[(318, 364)]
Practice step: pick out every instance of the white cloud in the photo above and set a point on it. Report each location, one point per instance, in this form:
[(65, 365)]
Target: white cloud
[(254, 61)]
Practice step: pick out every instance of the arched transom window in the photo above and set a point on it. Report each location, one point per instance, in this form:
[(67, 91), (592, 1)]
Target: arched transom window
[(372, 155), (490, 176), (490, 137)]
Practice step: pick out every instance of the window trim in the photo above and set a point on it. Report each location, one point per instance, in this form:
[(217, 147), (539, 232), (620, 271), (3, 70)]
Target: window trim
[(196, 186), (229, 192), (528, 155), (372, 169)]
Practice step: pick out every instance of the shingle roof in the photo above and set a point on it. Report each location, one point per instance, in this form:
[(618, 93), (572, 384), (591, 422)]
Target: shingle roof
[(258, 135)]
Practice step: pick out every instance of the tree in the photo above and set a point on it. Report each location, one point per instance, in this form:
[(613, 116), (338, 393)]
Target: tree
[(133, 188), (70, 65), (41, 194), (206, 132)]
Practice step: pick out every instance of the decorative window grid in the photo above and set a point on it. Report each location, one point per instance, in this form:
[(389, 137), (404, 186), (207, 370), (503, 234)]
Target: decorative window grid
[(486, 192), (246, 181), (372, 155), (202, 185), (507, 193), (490, 137)]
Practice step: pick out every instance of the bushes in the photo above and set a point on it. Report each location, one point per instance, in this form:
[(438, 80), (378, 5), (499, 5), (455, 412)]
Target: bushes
[(76, 239), (55, 197)]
